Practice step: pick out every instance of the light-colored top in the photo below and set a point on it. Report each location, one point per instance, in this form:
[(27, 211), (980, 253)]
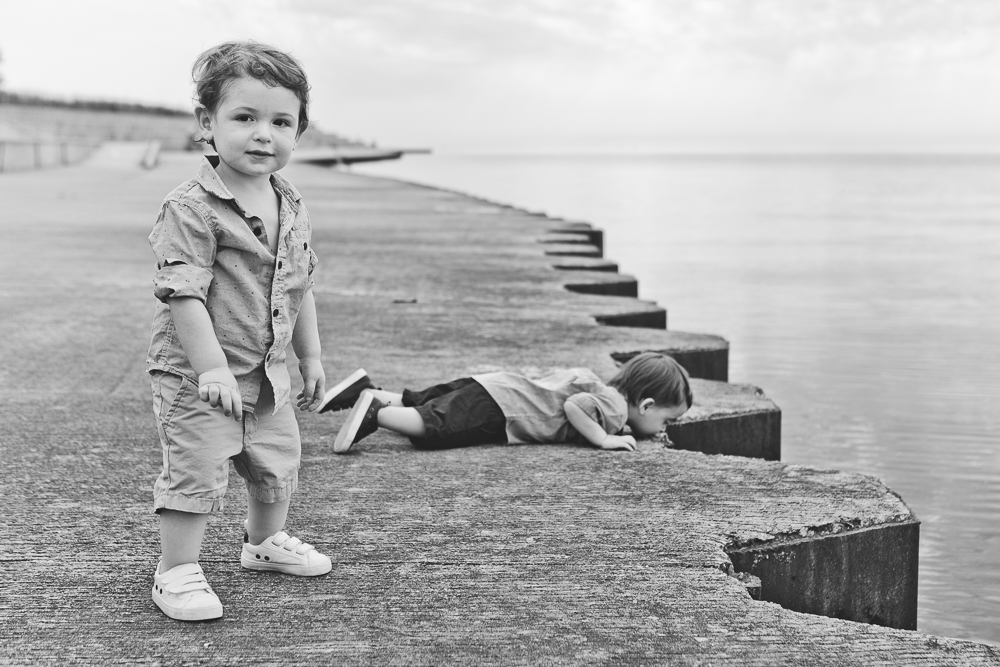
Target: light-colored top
[(209, 248), (534, 408)]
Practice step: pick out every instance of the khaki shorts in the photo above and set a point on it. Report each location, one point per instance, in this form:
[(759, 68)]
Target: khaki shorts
[(198, 441)]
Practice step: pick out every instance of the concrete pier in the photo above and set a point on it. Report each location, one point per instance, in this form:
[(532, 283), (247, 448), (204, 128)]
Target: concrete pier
[(523, 555)]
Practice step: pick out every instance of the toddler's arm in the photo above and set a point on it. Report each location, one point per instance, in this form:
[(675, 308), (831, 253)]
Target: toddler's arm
[(593, 432), (305, 342), (216, 383)]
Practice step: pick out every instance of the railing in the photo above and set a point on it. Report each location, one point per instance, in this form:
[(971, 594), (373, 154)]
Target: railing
[(26, 155)]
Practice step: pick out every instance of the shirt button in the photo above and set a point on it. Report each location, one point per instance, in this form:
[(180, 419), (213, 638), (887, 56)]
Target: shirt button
[(279, 265), (305, 246), (275, 312), (256, 231)]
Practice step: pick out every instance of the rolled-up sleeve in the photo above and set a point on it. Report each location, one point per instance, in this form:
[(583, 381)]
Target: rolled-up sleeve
[(313, 261), (185, 246), (606, 408)]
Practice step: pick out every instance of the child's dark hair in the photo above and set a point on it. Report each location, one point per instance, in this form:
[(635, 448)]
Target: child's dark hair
[(218, 66), (656, 376)]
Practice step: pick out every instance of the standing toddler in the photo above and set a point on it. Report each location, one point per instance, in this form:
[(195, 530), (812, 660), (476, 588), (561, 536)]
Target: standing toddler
[(234, 284)]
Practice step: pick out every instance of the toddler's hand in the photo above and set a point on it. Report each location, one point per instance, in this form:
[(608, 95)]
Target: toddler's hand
[(219, 388), (313, 384), (626, 442)]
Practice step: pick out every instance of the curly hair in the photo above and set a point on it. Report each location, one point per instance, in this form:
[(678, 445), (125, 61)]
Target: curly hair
[(217, 67), (656, 376)]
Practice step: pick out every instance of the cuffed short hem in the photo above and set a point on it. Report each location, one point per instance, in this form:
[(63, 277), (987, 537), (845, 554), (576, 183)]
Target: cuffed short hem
[(190, 504), (272, 494)]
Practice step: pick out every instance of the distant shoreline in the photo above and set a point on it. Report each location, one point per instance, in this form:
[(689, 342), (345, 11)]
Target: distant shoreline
[(89, 105)]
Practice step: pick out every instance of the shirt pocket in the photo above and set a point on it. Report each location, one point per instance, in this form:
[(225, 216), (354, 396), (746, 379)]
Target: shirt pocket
[(297, 254)]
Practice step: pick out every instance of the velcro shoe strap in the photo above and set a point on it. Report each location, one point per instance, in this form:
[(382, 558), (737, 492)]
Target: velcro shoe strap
[(187, 584), (290, 543)]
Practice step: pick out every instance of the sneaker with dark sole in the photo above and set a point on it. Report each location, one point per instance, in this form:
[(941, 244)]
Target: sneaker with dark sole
[(361, 422), (347, 392), (183, 593), (286, 554)]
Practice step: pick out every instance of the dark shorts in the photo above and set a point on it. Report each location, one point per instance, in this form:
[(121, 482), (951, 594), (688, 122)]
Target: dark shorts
[(457, 414)]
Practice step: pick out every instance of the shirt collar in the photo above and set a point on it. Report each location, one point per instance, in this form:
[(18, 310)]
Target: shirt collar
[(209, 179)]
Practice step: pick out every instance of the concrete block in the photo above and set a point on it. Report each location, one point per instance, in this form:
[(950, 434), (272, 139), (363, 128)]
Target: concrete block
[(867, 575), (710, 362), (623, 286), (653, 318), (566, 238), (594, 236), (573, 250), (731, 419), (585, 264)]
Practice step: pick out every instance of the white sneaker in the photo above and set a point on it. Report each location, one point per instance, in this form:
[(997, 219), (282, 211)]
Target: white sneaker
[(283, 553), (183, 593)]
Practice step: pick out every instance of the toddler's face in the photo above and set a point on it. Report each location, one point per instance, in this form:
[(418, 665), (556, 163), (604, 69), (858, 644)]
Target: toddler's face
[(255, 127), (648, 421)]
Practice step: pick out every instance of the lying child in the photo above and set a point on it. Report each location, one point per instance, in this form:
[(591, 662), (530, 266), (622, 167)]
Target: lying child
[(572, 405)]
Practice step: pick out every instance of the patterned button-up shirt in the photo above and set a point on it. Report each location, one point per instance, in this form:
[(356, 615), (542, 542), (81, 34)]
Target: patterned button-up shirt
[(209, 248), (535, 408)]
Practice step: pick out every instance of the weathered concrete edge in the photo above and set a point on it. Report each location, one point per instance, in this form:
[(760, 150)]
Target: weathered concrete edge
[(827, 574), (753, 434), (835, 574)]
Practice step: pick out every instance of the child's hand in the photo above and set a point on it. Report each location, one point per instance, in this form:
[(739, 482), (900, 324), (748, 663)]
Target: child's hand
[(313, 384), (219, 388), (626, 442)]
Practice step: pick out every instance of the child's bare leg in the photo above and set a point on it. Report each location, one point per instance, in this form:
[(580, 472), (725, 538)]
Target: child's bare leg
[(387, 398), (181, 534), (265, 519), (405, 421)]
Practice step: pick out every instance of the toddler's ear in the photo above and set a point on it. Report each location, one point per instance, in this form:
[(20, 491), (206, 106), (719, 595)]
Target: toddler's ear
[(645, 404), (204, 121)]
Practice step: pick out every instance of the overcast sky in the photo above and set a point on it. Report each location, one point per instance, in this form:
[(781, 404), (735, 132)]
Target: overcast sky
[(552, 75)]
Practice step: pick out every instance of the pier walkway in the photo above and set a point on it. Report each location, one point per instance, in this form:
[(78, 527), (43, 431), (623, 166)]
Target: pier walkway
[(511, 555)]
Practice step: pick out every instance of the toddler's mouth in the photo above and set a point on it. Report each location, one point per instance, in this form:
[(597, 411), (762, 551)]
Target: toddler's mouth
[(260, 154)]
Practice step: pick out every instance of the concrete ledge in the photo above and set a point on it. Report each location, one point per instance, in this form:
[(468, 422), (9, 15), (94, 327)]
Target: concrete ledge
[(710, 362), (576, 231), (835, 574), (573, 250), (514, 555), (621, 286), (566, 238), (585, 265), (653, 318), (730, 419)]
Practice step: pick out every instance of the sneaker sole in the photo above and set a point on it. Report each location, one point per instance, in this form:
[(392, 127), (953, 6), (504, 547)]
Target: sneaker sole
[(345, 439), (285, 568), (205, 614), (327, 405)]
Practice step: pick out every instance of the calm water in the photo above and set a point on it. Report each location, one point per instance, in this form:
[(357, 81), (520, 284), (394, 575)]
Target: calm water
[(862, 293)]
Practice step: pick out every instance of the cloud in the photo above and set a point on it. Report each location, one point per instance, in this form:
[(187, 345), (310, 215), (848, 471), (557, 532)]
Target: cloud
[(506, 72)]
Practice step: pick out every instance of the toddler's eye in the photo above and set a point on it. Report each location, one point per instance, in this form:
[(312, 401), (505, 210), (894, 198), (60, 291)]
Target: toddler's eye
[(243, 118), (281, 122)]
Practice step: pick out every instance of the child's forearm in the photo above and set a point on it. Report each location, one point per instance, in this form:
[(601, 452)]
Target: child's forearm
[(197, 335), (305, 336), (585, 426)]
